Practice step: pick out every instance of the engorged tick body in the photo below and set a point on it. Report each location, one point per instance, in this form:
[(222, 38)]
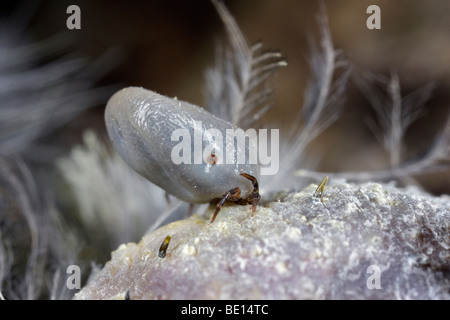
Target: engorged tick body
[(141, 123)]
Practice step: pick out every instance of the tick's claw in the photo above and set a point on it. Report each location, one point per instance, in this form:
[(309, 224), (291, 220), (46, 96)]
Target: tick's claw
[(234, 195)]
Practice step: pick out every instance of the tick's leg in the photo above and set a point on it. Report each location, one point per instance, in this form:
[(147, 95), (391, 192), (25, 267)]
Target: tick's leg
[(231, 195), (190, 210), (253, 180), (254, 201), (167, 196), (253, 198)]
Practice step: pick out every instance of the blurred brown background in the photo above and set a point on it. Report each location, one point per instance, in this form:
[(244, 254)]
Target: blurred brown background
[(168, 45)]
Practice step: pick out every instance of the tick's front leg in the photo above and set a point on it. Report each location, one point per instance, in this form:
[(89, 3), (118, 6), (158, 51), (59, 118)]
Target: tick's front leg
[(232, 195), (254, 197)]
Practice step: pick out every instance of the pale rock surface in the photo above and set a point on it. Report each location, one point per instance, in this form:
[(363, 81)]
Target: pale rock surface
[(295, 248)]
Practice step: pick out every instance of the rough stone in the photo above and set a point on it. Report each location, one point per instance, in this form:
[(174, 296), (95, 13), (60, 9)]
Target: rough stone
[(298, 247)]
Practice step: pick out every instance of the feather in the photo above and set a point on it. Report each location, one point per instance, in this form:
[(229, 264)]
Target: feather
[(38, 95), (29, 235), (238, 86), (394, 112), (109, 193), (323, 100)]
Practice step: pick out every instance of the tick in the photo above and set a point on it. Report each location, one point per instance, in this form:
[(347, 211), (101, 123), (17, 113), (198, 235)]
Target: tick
[(146, 129)]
